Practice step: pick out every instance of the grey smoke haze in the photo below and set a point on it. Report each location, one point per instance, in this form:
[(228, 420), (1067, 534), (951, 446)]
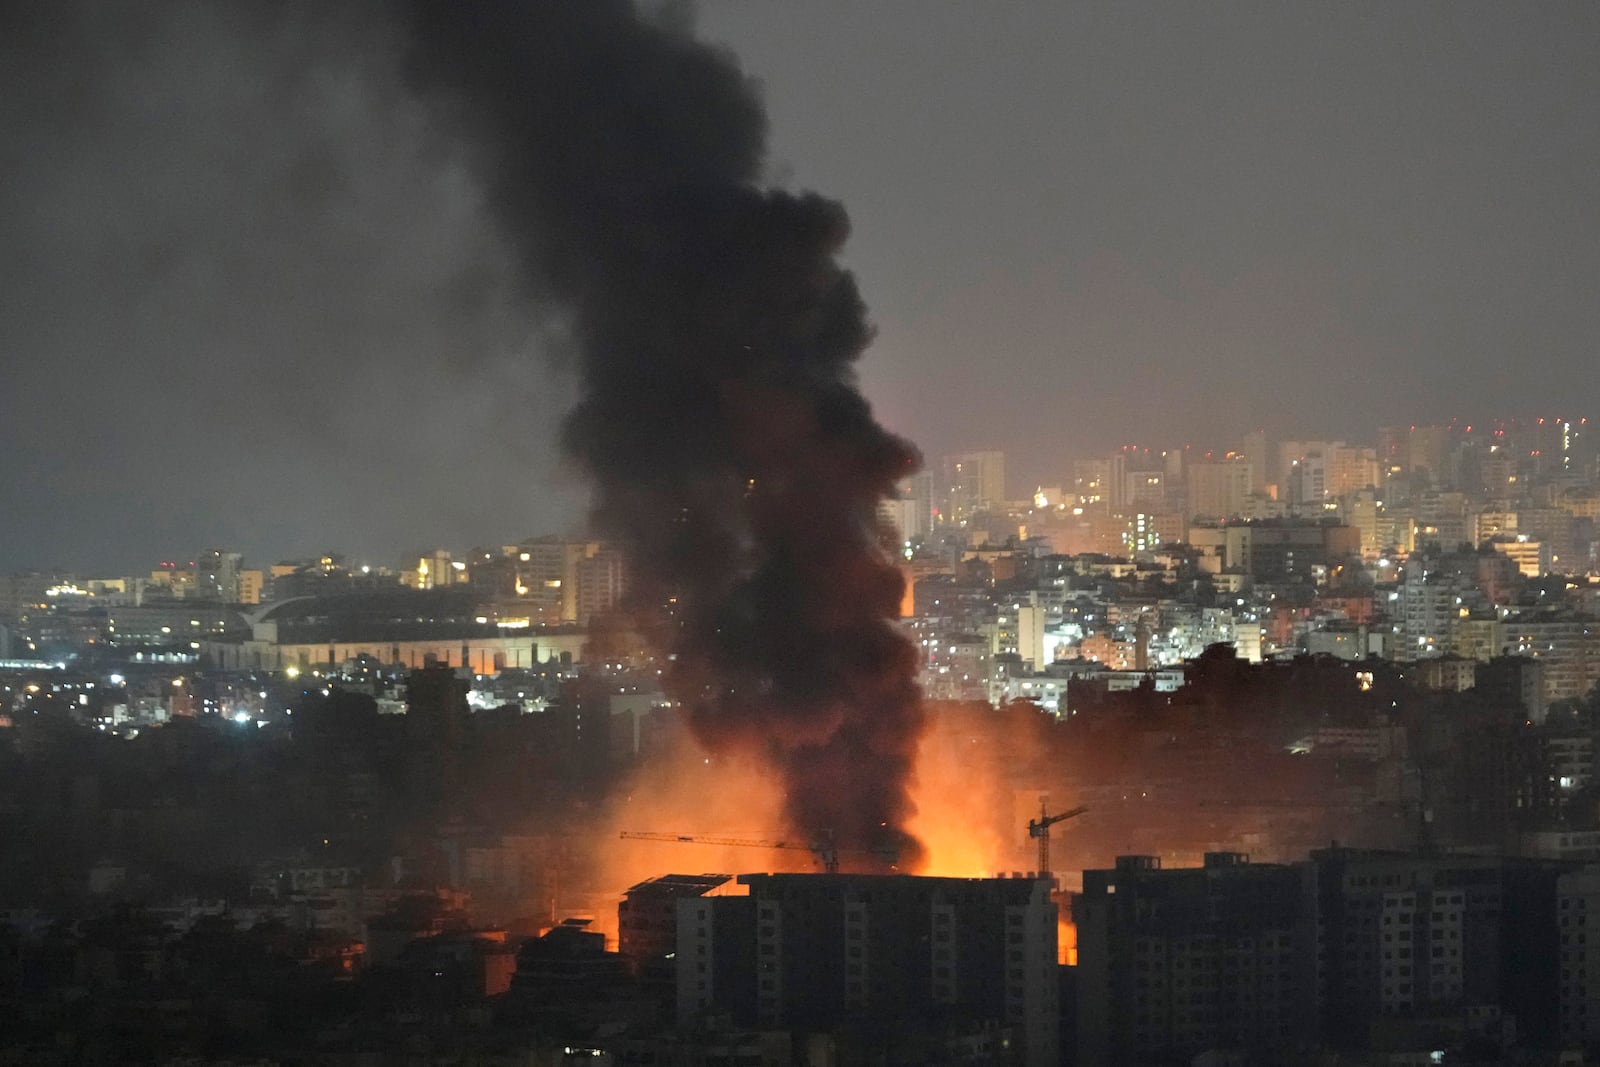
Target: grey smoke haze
[(249, 300), (1165, 222), (1153, 219)]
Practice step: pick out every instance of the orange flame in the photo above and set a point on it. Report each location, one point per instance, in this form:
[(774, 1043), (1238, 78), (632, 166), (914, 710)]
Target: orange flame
[(971, 817)]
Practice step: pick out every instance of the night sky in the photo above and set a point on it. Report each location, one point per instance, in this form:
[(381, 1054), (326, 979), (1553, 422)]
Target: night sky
[(250, 296)]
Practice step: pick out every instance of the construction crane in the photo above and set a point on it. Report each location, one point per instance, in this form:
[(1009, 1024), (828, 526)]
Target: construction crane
[(825, 851), (1039, 829)]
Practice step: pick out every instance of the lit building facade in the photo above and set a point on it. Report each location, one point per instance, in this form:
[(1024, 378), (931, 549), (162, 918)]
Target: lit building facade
[(973, 482)]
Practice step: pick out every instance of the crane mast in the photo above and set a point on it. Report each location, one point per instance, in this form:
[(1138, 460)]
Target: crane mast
[(1039, 829)]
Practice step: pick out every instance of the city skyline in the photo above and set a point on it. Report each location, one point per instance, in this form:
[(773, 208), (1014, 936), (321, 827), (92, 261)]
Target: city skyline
[(399, 549), (1080, 522), (307, 333)]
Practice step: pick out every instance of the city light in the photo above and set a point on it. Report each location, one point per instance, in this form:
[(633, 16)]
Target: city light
[(530, 304)]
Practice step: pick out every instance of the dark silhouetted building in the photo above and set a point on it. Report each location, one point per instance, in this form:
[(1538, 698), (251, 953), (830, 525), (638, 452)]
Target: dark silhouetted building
[(901, 953), (1355, 951), (647, 917), (1174, 963)]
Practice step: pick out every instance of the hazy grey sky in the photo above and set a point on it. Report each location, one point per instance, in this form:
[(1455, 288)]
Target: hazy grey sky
[(247, 300), (1162, 222)]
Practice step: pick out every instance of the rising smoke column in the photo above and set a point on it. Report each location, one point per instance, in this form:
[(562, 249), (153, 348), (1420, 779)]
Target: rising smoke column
[(730, 449)]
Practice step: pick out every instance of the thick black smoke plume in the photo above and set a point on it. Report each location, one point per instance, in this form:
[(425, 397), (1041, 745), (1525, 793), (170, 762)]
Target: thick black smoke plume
[(730, 448)]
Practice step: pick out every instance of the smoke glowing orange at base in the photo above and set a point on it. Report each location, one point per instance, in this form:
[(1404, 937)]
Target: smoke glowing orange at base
[(970, 820)]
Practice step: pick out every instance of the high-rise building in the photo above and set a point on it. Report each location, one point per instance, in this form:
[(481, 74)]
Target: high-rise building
[(1566, 645), (435, 570), (1091, 481), (1495, 522), (1033, 643), (1441, 518), (1144, 489), (435, 725), (973, 482), (1554, 526), (1174, 963), (1363, 511), (1117, 467), (552, 574), (910, 511), (1419, 936), (918, 491), (216, 576), (1351, 468), (1253, 450), (1218, 488), (1145, 531), (602, 580), (647, 917), (178, 580), (249, 586), (23, 594), (1287, 549), (1391, 449), (1271, 961), (1531, 555), (1429, 609), (1311, 472), (1578, 897), (1427, 447), (896, 948)]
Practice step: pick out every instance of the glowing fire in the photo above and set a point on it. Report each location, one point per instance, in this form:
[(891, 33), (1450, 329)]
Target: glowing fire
[(686, 791), (1066, 942), (970, 818), (955, 817)]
